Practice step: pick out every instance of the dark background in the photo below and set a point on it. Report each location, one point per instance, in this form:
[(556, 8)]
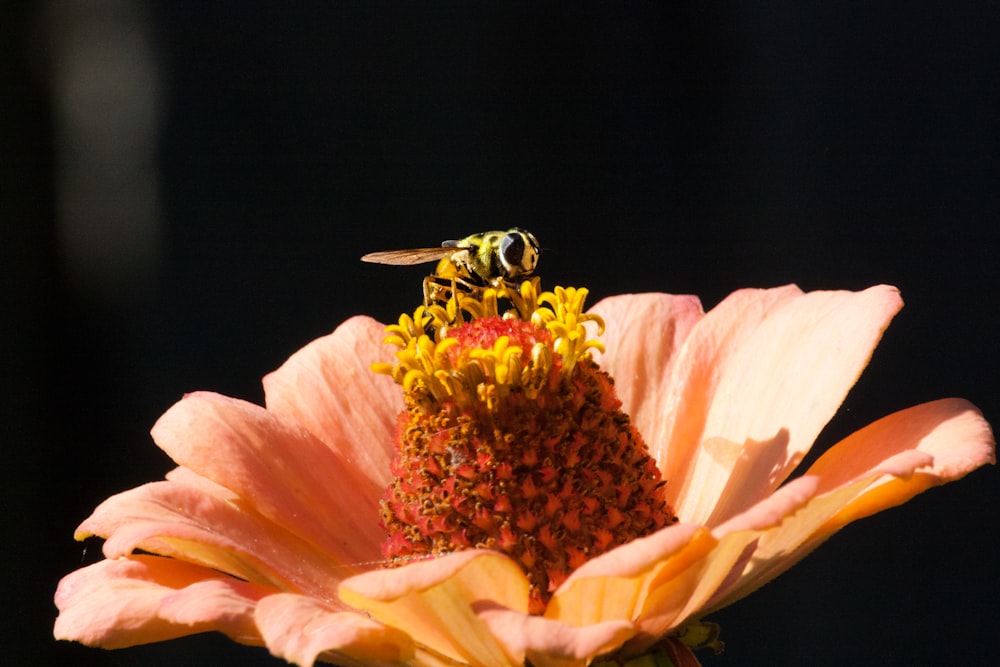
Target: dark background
[(692, 149)]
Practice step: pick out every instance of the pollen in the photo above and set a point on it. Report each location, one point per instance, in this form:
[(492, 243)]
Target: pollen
[(513, 439)]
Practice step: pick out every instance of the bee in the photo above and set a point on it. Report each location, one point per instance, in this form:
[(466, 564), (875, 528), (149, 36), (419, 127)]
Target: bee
[(488, 259)]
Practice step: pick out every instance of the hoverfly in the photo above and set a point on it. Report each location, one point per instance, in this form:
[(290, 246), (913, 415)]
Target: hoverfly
[(488, 259)]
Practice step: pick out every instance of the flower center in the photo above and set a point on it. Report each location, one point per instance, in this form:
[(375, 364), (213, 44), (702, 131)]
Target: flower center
[(513, 439)]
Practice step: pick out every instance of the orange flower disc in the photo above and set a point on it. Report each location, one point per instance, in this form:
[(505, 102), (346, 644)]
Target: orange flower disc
[(527, 454)]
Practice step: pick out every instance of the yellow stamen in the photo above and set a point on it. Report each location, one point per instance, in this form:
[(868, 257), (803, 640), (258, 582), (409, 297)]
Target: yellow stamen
[(425, 364)]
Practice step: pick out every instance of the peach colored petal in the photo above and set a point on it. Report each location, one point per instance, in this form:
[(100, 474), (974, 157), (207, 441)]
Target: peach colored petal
[(548, 643), (898, 457), (142, 599), (778, 377), (616, 585), (925, 446), (720, 568), (775, 549), (691, 384), (434, 600), (287, 475), (635, 557), (642, 337), (174, 519), (301, 629), (190, 478), (670, 590), (328, 388), (658, 581), (952, 430), (224, 605)]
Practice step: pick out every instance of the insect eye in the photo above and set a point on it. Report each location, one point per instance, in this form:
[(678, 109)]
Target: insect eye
[(512, 249)]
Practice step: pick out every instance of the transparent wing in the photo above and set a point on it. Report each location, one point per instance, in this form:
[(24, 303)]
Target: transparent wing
[(408, 257)]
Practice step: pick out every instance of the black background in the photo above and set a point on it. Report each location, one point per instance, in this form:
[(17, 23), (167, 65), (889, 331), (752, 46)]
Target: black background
[(693, 149)]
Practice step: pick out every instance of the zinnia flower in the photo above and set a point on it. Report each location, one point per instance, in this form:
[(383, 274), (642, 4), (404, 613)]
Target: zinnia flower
[(515, 504)]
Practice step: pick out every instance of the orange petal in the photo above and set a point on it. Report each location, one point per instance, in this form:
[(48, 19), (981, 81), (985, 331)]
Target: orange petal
[(174, 519), (301, 629), (328, 388), (434, 600), (771, 371), (898, 457), (548, 643), (142, 599), (642, 336), (284, 472)]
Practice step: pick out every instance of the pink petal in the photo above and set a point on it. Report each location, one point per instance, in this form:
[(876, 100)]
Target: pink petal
[(142, 599), (434, 602), (548, 643), (174, 519), (764, 373), (897, 457), (643, 334), (285, 473), (301, 629), (328, 388)]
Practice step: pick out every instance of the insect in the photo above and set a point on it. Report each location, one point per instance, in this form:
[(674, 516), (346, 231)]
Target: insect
[(488, 259)]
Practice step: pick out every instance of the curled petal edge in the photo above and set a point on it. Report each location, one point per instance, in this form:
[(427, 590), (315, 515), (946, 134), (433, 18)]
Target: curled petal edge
[(173, 518), (935, 443), (434, 600), (289, 476), (143, 599), (548, 643), (301, 630)]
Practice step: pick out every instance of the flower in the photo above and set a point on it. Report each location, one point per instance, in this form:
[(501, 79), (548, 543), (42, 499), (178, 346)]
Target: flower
[(268, 531)]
